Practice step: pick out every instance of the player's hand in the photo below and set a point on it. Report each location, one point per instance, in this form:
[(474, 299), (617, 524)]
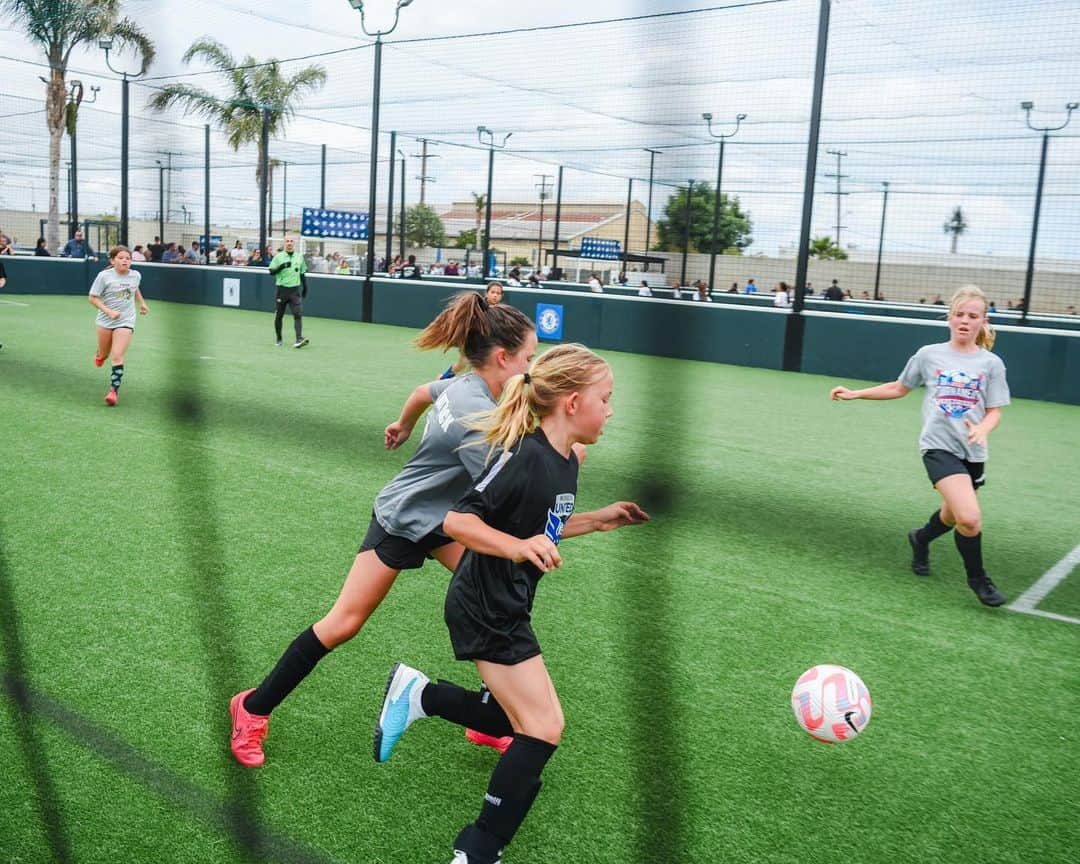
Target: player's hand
[(842, 393), (976, 433), (112, 313), (619, 514), (540, 552), (144, 309), (396, 434)]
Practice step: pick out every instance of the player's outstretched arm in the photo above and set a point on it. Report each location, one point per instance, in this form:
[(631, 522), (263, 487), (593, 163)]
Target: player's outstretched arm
[(473, 533), (608, 518), (398, 432), (892, 390)]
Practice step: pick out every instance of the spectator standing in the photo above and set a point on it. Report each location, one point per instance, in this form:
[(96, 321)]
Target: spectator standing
[(288, 268), (5, 245), (781, 300), (595, 285), (833, 292), (238, 255), (410, 270), (156, 250), (395, 266), (76, 247), (644, 290), (751, 288), (41, 250)]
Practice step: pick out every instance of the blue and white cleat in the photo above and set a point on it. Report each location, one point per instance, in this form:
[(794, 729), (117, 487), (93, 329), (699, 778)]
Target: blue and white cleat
[(401, 706)]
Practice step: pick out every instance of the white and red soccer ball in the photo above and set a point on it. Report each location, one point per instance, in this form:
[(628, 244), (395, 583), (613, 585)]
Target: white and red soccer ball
[(831, 703)]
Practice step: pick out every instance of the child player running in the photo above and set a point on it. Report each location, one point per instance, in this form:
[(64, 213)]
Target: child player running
[(965, 391), (493, 295), (406, 523), (114, 293), (511, 523)]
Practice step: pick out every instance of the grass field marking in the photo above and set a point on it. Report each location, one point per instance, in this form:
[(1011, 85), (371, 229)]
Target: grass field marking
[(14, 303), (1030, 599)]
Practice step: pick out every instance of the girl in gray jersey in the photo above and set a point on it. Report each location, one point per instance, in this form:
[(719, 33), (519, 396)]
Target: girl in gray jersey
[(965, 391), (114, 294), (406, 526)]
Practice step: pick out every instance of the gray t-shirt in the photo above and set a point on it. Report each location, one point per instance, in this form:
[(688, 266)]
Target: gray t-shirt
[(441, 471), (118, 293), (959, 386)]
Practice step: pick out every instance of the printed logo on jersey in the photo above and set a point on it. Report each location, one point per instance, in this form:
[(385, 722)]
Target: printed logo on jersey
[(442, 411), (957, 392), (557, 516)]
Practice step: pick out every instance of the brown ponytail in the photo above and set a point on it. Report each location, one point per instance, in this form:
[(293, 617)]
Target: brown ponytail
[(463, 314)]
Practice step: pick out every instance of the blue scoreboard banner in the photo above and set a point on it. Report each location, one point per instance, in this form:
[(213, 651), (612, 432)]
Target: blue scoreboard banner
[(342, 224), (594, 247)]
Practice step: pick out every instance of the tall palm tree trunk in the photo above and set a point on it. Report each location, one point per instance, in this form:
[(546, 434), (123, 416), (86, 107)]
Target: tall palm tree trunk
[(55, 103)]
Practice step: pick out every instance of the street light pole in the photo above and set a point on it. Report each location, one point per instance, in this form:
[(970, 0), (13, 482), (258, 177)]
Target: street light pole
[(718, 210), (648, 207), (881, 240), (161, 199), (480, 132), (543, 187), (390, 203), (358, 5), (686, 230), (1046, 130), (106, 45), (401, 227)]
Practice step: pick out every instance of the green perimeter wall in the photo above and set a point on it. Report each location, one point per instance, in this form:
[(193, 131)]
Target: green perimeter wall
[(1043, 363)]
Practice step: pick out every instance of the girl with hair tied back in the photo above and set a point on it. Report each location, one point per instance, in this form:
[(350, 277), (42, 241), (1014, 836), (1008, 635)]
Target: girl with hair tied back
[(510, 524), (965, 392), (406, 521)]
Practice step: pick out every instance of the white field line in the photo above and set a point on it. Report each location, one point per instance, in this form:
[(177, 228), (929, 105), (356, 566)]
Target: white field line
[(1034, 595), (13, 303)]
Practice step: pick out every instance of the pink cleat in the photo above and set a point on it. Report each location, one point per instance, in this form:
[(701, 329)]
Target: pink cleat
[(111, 397), (483, 740), (248, 732), (99, 361)]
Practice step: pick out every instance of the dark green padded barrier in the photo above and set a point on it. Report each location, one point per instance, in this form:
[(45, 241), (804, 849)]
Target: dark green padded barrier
[(1043, 363)]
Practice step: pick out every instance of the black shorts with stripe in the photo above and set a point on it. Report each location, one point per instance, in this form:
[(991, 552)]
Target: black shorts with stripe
[(942, 463), (401, 553)]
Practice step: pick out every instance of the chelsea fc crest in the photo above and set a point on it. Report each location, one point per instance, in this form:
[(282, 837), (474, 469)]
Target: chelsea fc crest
[(549, 321)]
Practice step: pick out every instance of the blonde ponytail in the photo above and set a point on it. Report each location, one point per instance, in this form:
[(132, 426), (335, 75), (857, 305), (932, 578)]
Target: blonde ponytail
[(986, 336), (533, 396)]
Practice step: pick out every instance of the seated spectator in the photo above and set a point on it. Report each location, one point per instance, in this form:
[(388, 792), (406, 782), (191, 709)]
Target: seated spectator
[(734, 289), (76, 247), (410, 270), (847, 294), (992, 308), (451, 268), (513, 281), (221, 255), (595, 285), (255, 259), (436, 269), (42, 251), (342, 268), (534, 280), (238, 254), (751, 288), (137, 254), (171, 255), (1069, 310), (703, 291), (194, 255), (643, 289), (781, 298), (395, 266), (937, 301), (676, 290), (865, 295), (622, 279), (5, 245), (182, 253)]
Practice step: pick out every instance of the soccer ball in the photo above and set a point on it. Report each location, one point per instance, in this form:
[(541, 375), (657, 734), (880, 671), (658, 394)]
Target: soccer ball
[(831, 703)]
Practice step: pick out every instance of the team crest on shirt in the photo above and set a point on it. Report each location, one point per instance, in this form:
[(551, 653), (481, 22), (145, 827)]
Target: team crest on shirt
[(957, 392), (557, 516)]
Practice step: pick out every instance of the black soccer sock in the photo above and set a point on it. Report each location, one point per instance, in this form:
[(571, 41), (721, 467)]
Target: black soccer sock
[(116, 377), (971, 551), (475, 709), (933, 529), (513, 787), (278, 318), (298, 325), (298, 660)]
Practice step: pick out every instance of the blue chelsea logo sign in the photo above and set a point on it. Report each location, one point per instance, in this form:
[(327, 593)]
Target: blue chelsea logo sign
[(549, 321)]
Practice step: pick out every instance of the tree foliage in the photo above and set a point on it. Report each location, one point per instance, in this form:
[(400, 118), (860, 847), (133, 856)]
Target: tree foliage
[(423, 227), (956, 226), (735, 225), (466, 239), (825, 248)]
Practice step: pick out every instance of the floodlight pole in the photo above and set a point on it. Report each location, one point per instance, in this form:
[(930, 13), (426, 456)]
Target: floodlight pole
[(358, 5), (648, 207), (264, 169), (390, 203), (717, 208), (125, 115), (401, 227), (481, 131), (558, 220), (1046, 130), (686, 231), (206, 193), (881, 240)]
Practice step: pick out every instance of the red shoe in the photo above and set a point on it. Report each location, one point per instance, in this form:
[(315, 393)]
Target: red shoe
[(111, 397), (248, 732), (99, 361), (482, 740)]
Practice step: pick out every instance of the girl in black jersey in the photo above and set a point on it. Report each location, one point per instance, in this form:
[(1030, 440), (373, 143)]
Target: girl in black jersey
[(405, 529), (511, 523)]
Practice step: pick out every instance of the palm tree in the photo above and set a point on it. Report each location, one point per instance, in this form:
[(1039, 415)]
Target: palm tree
[(256, 86), (956, 226), (58, 26), (480, 202)]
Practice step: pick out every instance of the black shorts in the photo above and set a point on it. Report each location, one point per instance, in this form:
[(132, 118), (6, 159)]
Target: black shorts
[(290, 296), (479, 632), (942, 463), (400, 553)]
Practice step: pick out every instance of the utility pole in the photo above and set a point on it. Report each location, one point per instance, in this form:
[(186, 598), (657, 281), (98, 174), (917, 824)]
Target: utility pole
[(543, 186), (839, 154), (424, 177)]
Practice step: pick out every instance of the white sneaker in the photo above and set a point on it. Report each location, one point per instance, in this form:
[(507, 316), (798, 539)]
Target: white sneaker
[(401, 706), (461, 858)]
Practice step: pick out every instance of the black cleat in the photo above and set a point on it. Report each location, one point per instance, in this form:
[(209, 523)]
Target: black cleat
[(300, 343), (920, 554), (986, 591)]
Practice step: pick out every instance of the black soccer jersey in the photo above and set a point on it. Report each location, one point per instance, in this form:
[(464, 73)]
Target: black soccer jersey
[(530, 490)]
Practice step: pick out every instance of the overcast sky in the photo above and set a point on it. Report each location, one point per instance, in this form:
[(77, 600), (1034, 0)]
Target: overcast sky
[(926, 101)]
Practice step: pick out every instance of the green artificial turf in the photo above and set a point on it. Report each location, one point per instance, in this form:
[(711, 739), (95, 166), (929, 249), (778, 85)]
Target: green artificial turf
[(159, 556)]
